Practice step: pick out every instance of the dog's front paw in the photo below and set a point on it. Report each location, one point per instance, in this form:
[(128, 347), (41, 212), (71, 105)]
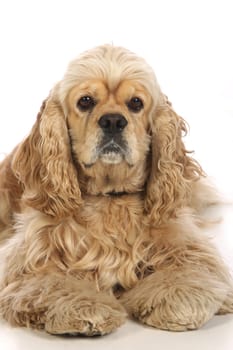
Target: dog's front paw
[(175, 313), (176, 300), (88, 316)]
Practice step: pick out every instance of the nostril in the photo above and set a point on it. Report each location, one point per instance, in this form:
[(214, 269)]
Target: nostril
[(104, 123), (112, 123), (121, 123)]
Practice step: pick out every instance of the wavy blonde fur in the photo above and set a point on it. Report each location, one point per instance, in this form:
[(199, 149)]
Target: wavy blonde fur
[(88, 240)]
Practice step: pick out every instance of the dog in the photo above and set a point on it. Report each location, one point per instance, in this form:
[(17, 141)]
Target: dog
[(101, 209)]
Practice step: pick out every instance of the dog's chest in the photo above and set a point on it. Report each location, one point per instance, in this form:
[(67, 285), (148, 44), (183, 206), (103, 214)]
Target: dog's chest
[(118, 219), (112, 229)]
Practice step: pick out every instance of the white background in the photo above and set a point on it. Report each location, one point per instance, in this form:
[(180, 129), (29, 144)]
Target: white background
[(190, 46)]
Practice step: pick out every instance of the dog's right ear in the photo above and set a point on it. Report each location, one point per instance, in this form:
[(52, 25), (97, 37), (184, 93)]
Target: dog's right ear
[(43, 164)]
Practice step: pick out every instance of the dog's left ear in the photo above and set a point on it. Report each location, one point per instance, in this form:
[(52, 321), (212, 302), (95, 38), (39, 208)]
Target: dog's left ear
[(43, 164), (172, 169)]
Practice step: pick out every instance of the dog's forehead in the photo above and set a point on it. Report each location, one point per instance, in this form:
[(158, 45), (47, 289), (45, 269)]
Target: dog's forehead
[(101, 86), (110, 68), (112, 65)]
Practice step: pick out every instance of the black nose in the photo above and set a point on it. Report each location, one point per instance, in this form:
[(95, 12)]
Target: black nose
[(112, 123)]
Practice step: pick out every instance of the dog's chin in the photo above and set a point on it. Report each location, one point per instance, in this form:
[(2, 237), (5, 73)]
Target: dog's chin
[(111, 157)]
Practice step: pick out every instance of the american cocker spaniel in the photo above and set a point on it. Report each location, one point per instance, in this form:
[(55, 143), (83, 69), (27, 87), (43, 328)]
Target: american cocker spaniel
[(100, 209)]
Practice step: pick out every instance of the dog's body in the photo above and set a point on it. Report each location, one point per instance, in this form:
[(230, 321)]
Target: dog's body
[(100, 209)]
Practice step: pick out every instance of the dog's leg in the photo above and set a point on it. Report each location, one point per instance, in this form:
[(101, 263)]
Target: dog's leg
[(190, 283), (177, 300), (36, 285), (60, 305)]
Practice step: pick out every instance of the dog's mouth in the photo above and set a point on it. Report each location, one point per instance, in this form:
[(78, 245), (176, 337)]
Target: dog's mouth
[(111, 147), (112, 152)]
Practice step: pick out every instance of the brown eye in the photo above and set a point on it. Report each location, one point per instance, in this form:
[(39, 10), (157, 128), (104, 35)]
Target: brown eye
[(135, 104), (85, 103)]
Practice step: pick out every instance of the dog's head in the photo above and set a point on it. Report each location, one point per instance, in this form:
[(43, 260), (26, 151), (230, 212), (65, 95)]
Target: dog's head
[(105, 127), (108, 95), (108, 125)]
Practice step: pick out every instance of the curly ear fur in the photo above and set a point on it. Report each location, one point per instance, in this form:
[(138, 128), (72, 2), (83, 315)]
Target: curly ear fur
[(172, 169), (43, 164)]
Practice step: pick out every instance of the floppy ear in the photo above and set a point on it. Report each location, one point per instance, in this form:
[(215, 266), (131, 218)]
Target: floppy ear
[(172, 169), (43, 164)]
